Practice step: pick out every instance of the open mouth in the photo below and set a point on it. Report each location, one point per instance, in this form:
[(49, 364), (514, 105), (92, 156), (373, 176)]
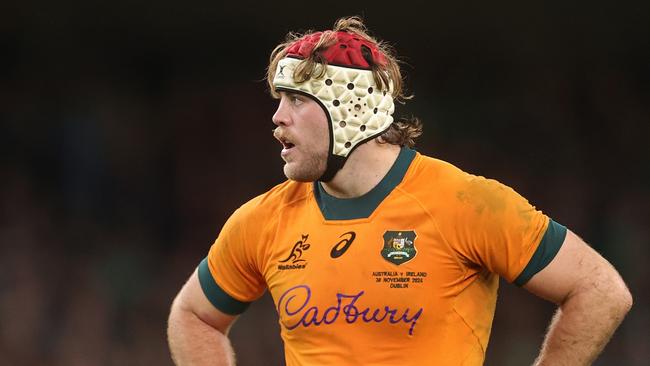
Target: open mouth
[(286, 144)]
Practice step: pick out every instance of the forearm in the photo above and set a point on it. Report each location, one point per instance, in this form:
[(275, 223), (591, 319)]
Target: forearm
[(195, 343), (582, 327)]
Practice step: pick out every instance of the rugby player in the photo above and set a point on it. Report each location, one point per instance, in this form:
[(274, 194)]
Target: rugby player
[(375, 254)]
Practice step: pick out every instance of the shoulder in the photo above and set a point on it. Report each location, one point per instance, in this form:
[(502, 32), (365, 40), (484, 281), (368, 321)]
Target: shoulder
[(259, 216), (444, 184), (435, 176), (269, 204), (436, 170)]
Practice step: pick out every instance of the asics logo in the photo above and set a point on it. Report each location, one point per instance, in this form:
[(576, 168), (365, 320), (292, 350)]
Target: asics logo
[(343, 245)]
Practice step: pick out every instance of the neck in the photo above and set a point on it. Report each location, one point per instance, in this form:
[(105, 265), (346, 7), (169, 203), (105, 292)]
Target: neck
[(363, 170)]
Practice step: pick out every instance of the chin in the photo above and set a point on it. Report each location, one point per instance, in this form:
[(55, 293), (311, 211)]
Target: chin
[(297, 174)]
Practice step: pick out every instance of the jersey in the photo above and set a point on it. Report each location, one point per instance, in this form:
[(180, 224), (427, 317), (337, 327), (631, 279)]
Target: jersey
[(406, 274)]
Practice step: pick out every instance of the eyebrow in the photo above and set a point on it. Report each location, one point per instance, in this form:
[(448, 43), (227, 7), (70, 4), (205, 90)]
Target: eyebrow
[(290, 93)]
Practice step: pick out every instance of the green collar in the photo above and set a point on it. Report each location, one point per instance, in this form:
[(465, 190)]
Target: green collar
[(362, 207)]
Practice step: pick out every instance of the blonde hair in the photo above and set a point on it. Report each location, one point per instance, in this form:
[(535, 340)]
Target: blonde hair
[(401, 133)]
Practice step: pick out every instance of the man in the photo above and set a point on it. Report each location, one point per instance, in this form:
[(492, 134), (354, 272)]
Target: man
[(374, 253)]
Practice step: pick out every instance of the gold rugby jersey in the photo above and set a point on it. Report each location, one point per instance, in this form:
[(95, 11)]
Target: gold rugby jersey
[(405, 275)]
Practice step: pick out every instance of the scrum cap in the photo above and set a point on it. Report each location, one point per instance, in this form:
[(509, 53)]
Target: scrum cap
[(356, 109)]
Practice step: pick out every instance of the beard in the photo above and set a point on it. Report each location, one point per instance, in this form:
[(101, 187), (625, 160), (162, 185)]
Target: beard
[(309, 168)]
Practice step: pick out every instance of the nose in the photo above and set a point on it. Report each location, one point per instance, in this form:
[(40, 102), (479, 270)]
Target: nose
[(281, 116)]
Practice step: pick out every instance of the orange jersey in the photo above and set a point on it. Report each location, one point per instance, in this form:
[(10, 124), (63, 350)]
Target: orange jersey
[(406, 274)]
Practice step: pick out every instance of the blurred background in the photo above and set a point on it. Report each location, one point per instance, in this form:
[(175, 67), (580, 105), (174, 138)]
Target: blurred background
[(129, 131)]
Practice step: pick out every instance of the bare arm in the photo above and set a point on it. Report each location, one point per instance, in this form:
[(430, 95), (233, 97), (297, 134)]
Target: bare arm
[(592, 299), (197, 331)]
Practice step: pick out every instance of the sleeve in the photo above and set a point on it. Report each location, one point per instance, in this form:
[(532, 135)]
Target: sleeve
[(497, 229), (230, 276)]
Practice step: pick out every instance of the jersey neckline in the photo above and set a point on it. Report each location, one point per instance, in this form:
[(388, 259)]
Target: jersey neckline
[(362, 207)]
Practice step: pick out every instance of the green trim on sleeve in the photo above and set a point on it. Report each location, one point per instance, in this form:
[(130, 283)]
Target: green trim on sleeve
[(218, 297), (545, 252)]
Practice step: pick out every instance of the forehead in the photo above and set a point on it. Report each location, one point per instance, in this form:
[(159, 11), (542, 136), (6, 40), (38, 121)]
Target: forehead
[(287, 93), (294, 94)]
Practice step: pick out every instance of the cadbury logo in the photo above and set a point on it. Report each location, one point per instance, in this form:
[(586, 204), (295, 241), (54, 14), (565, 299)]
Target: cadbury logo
[(294, 304)]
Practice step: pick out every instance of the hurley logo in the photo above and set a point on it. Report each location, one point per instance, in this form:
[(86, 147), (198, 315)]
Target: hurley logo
[(295, 260)]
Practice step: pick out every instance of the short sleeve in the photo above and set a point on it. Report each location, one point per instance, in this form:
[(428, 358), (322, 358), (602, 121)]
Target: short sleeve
[(495, 228), (230, 276)]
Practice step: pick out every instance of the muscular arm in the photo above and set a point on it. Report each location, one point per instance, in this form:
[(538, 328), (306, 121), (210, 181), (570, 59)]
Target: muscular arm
[(592, 299), (197, 331)]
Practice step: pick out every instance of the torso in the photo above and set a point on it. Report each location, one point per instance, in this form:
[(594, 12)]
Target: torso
[(403, 275), (372, 287)]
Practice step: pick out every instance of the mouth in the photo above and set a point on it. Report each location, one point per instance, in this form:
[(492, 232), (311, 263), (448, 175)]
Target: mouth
[(287, 147), (287, 144)]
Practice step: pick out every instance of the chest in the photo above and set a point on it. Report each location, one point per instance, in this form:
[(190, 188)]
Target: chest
[(389, 269)]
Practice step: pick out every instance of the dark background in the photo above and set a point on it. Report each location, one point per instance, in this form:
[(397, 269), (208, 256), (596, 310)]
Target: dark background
[(129, 131)]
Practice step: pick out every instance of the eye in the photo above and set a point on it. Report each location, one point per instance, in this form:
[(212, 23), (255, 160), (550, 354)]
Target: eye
[(296, 99)]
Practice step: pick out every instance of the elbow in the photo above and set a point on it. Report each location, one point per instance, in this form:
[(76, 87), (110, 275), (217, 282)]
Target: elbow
[(607, 291), (620, 297), (626, 300)]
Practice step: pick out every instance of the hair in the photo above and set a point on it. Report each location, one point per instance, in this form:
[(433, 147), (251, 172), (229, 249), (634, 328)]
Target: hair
[(402, 132)]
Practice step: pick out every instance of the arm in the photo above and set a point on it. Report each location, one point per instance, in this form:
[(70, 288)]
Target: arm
[(197, 331), (592, 299)]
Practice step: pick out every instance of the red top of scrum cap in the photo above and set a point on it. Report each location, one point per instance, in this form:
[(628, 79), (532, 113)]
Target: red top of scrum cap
[(350, 50)]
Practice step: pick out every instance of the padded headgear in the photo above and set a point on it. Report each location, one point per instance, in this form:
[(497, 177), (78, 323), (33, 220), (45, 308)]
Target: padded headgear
[(356, 109)]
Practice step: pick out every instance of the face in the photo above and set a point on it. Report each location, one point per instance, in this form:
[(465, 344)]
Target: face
[(303, 132)]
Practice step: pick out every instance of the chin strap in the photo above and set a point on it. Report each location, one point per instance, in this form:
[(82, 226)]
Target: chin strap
[(334, 164)]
